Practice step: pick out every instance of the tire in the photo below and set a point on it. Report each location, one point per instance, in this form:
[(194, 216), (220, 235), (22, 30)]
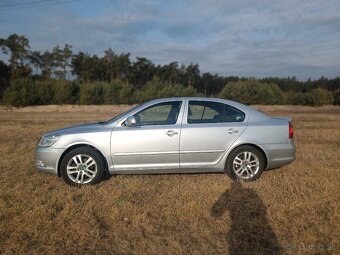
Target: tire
[(82, 166), (245, 163)]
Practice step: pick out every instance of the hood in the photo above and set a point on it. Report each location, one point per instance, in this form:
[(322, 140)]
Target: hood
[(83, 128)]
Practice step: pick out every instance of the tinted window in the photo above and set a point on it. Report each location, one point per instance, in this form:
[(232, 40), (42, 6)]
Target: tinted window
[(213, 112), (159, 114)]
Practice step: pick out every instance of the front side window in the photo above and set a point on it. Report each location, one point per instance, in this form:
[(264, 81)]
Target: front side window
[(159, 114), (213, 112)]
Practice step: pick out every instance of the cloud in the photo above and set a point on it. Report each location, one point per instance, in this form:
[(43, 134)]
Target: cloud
[(248, 38)]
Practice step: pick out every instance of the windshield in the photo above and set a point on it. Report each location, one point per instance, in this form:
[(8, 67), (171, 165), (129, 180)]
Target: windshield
[(120, 115)]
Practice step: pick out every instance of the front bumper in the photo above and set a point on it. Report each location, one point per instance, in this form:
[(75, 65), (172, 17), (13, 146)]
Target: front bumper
[(46, 159)]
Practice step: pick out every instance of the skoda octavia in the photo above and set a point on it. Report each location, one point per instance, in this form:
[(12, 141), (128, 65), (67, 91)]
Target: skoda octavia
[(171, 135)]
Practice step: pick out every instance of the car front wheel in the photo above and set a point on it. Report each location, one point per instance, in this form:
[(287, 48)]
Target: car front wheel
[(245, 163), (82, 166)]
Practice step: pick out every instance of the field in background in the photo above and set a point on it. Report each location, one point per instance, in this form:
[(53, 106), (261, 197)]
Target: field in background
[(294, 209)]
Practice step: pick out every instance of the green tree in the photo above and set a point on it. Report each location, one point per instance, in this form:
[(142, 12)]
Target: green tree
[(122, 66), (47, 64), (18, 47), (192, 75), (109, 60), (5, 74), (36, 60), (88, 68), (169, 73), (142, 71), (66, 59), (57, 63)]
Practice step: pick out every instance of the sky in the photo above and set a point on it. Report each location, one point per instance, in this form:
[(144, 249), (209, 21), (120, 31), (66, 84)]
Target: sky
[(257, 38)]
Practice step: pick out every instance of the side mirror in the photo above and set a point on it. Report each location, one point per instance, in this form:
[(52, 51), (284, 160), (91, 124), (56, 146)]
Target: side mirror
[(130, 121)]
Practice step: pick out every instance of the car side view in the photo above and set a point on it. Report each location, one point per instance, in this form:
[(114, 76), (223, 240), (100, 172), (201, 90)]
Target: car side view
[(170, 135)]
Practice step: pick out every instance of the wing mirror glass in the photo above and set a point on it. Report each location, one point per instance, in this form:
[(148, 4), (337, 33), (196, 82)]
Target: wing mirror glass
[(130, 121)]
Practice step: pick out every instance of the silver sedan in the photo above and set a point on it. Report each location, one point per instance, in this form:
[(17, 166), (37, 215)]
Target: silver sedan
[(172, 135)]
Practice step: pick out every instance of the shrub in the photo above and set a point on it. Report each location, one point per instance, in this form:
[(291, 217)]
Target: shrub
[(118, 92), (319, 97), (252, 92), (336, 96), (91, 93), (125, 94), (28, 91), (66, 92), (294, 98), (22, 92), (45, 91), (158, 89)]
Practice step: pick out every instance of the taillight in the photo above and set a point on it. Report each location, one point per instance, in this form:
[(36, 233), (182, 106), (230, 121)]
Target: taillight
[(291, 131)]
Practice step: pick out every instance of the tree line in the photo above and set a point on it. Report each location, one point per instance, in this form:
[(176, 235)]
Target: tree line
[(61, 76)]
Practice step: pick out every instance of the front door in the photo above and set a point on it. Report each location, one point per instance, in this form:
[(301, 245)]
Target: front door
[(153, 143)]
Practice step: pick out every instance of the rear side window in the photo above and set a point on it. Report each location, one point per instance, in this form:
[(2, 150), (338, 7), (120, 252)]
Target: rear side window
[(213, 112)]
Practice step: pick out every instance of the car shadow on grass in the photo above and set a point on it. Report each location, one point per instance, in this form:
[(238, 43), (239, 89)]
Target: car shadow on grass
[(250, 231)]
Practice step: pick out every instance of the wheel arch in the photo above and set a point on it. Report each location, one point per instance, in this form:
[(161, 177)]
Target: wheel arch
[(252, 145), (78, 146)]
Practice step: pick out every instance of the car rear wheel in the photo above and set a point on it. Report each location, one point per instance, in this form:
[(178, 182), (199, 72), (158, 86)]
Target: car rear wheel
[(245, 163), (82, 166)]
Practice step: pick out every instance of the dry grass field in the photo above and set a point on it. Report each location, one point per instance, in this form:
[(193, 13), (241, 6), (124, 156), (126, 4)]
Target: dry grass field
[(294, 209)]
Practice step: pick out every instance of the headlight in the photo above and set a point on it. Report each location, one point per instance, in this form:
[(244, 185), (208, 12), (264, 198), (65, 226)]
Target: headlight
[(47, 141)]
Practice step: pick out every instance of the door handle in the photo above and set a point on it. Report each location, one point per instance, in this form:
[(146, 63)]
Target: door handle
[(232, 131), (171, 133)]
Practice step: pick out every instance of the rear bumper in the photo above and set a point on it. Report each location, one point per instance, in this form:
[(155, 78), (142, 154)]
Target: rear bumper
[(279, 154), (46, 159)]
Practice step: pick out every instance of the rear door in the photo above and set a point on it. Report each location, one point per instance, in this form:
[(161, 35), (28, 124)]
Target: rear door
[(209, 128)]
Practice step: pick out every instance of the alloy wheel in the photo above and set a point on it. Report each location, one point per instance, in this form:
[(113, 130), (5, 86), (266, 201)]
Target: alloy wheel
[(81, 169), (246, 164)]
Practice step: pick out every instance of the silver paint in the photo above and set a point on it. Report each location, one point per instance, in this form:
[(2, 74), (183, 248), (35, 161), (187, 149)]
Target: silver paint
[(177, 148)]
